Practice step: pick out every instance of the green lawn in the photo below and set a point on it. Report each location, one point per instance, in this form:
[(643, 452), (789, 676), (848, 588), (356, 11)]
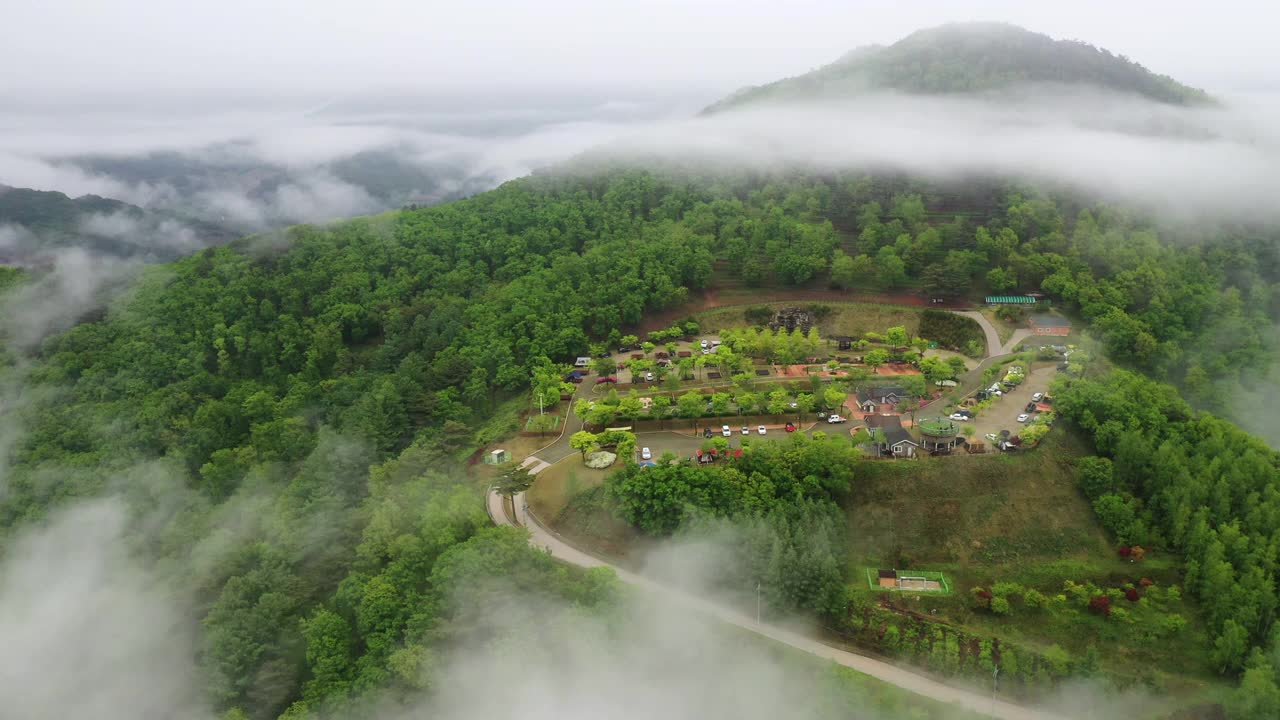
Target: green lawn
[(846, 318), (1020, 519)]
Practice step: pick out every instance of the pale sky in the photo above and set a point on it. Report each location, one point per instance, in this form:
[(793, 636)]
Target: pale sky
[(134, 50)]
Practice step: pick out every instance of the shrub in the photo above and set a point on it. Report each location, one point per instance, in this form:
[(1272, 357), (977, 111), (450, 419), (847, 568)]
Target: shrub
[(1006, 589), (1033, 598), (1100, 604), (1171, 624), (1132, 595), (1146, 582), (1000, 606), (981, 597)]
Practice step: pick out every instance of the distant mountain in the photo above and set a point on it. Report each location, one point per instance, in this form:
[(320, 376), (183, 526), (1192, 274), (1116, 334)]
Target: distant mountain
[(36, 223), (969, 58)]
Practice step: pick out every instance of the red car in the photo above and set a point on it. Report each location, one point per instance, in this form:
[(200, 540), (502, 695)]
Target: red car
[(790, 427), (606, 379)]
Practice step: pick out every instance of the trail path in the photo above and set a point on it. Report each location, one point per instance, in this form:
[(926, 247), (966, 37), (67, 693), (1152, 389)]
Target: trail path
[(542, 537)]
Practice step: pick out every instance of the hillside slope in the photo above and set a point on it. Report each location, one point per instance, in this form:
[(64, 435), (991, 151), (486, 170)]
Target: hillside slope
[(35, 222), (967, 58)]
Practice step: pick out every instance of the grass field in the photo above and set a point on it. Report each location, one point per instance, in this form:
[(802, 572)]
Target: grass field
[(569, 496), (846, 318), (1020, 519), (554, 486)]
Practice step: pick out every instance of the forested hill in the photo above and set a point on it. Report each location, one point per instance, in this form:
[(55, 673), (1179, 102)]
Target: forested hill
[(38, 221), (966, 58)]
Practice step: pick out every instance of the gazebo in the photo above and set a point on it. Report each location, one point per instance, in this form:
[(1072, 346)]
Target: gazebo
[(938, 434)]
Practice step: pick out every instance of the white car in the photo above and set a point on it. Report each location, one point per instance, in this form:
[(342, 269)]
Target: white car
[(645, 454), (996, 391), (703, 344), (1037, 397), (834, 419), (958, 417), (725, 431), (761, 430), (991, 436), (648, 377), (746, 430), (1023, 417), (705, 351)]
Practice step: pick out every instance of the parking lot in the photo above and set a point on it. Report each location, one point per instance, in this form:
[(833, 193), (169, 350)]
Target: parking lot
[(1003, 413), (682, 444)]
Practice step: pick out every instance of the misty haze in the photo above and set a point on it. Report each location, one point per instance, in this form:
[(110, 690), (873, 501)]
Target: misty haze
[(686, 360)]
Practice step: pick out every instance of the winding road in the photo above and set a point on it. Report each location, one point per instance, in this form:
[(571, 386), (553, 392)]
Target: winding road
[(543, 537)]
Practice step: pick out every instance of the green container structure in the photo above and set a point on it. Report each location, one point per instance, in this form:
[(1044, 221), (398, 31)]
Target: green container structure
[(938, 434)]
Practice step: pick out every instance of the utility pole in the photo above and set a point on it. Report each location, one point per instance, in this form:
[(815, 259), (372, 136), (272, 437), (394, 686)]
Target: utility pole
[(995, 683), (757, 602)]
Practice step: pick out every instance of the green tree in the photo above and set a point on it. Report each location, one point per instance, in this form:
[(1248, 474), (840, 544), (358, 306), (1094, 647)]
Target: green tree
[(875, 358), (1258, 697), (661, 407), (582, 441), (690, 405)]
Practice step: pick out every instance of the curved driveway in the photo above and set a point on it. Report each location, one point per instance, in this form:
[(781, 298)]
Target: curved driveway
[(540, 536)]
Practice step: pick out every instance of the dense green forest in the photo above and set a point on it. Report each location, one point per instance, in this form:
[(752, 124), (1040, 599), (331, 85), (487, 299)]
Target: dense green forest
[(1168, 476), (968, 58), (333, 377)]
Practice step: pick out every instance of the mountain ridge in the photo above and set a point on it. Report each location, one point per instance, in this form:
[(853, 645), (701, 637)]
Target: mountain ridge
[(962, 58)]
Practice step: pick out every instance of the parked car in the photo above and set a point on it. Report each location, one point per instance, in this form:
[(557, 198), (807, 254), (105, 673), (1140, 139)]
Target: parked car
[(645, 454), (1023, 417), (762, 430), (725, 431), (704, 344), (1037, 397), (833, 419), (624, 348), (794, 405), (790, 427), (822, 414), (746, 430), (992, 437), (958, 417), (1031, 407), (607, 379), (706, 432), (995, 391), (706, 351), (648, 377)]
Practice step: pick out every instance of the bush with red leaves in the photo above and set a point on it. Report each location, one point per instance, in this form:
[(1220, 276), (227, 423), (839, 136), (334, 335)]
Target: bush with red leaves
[(1132, 595), (1101, 605), (1125, 551)]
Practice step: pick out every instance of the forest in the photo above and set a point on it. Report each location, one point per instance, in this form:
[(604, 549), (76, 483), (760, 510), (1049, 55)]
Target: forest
[(1169, 476), (322, 370)]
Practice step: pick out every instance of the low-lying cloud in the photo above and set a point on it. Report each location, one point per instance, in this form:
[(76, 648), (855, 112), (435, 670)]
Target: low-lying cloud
[(1219, 163), (257, 171), (89, 632)]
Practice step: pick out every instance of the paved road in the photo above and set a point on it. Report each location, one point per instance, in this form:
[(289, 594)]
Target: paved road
[(993, 338), (540, 536)]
